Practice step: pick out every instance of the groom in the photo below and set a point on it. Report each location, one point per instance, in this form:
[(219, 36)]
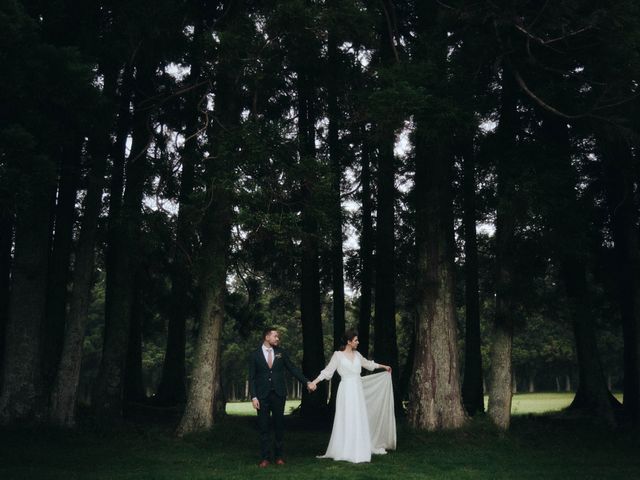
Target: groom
[(268, 391)]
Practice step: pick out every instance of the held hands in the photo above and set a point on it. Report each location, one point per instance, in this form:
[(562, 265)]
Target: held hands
[(256, 403), (311, 387)]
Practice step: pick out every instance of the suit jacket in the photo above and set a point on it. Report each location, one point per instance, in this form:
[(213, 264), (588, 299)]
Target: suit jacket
[(263, 379)]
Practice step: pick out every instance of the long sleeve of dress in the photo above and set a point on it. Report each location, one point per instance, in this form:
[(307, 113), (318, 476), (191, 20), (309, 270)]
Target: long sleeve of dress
[(330, 369), (368, 364)]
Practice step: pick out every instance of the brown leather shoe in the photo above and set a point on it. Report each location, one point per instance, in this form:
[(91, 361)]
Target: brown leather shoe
[(264, 464), (279, 461)]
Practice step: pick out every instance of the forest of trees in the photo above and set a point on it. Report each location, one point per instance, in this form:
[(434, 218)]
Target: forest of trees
[(457, 180)]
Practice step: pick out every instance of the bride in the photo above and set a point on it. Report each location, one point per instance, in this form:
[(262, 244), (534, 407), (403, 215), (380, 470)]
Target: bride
[(365, 421)]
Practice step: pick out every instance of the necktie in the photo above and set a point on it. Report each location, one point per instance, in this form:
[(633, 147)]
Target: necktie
[(270, 357)]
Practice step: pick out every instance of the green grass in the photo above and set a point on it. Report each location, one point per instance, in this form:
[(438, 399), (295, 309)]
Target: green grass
[(245, 408), (523, 403), (526, 403), (536, 447)]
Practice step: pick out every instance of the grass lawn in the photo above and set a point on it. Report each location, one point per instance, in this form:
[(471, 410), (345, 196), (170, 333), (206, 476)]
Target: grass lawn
[(536, 447), (523, 403)]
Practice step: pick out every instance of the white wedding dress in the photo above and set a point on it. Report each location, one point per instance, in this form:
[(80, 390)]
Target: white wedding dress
[(365, 419)]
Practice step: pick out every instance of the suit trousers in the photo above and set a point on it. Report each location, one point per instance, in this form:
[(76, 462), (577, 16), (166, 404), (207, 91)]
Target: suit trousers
[(271, 407)]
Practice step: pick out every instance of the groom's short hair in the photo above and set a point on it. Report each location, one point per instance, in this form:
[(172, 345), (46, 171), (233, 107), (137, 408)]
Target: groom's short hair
[(267, 331)]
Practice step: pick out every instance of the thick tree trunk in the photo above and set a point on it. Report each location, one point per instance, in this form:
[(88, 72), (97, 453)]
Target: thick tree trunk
[(592, 394), (385, 347), (205, 400), (107, 394), (133, 385), (569, 225), (59, 261), (337, 269), (500, 385), (366, 250), (22, 394), (65, 388), (219, 393), (212, 264), (472, 391), (6, 244), (435, 399), (116, 184), (172, 386), (313, 405), (623, 212)]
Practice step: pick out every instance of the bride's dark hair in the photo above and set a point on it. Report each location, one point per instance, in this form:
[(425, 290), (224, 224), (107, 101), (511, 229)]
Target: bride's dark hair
[(347, 337)]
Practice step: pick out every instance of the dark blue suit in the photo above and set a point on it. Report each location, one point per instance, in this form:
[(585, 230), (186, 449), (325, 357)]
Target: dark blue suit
[(269, 386)]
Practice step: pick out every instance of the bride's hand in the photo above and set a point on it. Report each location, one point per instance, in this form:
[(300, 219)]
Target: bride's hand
[(387, 368)]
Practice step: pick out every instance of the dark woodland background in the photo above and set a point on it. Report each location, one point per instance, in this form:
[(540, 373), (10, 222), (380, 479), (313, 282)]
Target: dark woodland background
[(457, 180)]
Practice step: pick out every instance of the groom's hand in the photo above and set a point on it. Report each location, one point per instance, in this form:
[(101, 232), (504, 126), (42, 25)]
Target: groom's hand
[(256, 403)]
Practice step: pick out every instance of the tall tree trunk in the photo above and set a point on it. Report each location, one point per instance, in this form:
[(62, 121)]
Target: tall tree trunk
[(107, 394), (60, 259), (116, 184), (366, 249), (500, 384), (435, 401), (204, 395), (21, 399), (133, 385), (570, 225), (472, 391), (623, 212), (385, 347), (203, 392), (172, 386), (337, 269), (201, 395), (6, 244), (313, 348), (592, 394), (65, 388)]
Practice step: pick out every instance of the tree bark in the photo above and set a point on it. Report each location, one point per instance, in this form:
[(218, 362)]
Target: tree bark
[(313, 405), (116, 184), (60, 260), (435, 399), (212, 264), (366, 250), (22, 394), (569, 225), (385, 344), (172, 386), (65, 387), (205, 400), (133, 385), (617, 162), (472, 391), (500, 385), (107, 393), (337, 269), (6, 244), (385, 347)]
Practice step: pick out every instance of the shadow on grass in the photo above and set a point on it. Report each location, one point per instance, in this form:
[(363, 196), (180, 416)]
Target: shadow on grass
[(541, 446)]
